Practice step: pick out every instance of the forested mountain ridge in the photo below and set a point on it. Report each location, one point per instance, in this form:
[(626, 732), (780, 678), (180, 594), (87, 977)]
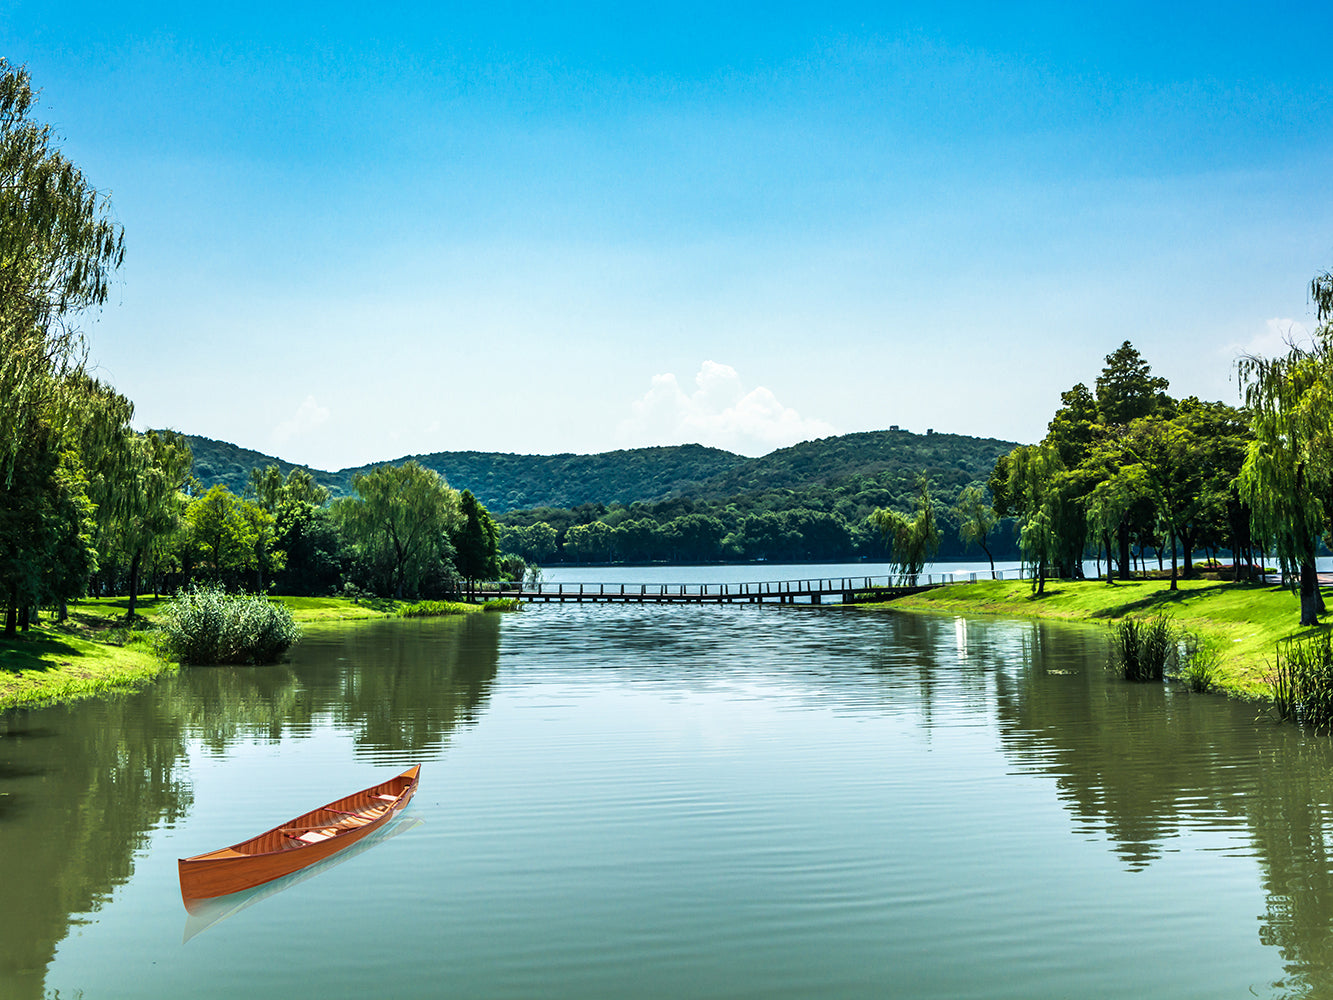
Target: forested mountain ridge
[(507, 482), (868, 454), (221, 463), (504, 481)]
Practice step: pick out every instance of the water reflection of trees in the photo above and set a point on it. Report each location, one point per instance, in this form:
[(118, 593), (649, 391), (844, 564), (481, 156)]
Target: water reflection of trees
[(1145, 762), (409, 694), (82, 786), (1290, 811), (393, 686)]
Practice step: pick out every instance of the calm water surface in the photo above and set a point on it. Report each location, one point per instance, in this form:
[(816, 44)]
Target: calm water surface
[(678, 801)]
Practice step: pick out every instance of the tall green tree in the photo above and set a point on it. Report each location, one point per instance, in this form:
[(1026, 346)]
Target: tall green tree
[(58, 250), (46, 528), (228, 534), (1033, 493), (305, 536), (400, 523), (148, 504), (976, 520), (1127, 389), (1167, 453), (475, 541)]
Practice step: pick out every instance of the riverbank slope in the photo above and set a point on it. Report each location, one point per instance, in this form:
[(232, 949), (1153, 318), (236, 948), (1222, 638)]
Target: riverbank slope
[(94, 652), (1245, 619)]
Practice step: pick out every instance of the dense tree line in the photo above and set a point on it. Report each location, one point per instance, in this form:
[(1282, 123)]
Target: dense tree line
[(1125, 468), (405, 534), (821, 523)]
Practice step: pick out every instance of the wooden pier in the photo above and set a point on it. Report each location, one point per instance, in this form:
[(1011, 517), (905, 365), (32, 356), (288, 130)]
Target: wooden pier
[(845, 590)]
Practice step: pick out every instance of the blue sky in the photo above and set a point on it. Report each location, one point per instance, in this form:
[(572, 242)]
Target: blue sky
[(360, 232)]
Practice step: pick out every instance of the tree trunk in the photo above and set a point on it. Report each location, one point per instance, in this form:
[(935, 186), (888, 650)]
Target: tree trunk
[(1126, 570), (12, 611), (1110, 575), (1187, 552), (1175, 573), (1310, 596), (134, 583)]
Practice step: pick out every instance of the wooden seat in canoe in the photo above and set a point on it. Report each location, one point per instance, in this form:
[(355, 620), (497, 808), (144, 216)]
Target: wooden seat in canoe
[(312, 836)]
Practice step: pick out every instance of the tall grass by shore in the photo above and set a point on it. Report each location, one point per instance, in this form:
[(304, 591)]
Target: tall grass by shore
[(1142, 649), (1303, 680)]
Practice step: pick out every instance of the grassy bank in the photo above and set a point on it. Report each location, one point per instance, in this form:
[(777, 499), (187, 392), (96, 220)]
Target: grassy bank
[(88, 655), (1247, 620), (94, 653)]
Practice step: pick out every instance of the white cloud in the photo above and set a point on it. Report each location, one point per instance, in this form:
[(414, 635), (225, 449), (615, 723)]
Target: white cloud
[(1275, 339), (308, 416), (720, 412)]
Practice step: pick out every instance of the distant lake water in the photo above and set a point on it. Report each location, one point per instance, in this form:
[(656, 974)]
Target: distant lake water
[(755, 572), (678, 801), (769, 572)]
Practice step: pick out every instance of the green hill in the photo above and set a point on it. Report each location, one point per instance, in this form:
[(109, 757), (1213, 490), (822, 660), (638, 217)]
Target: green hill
[(947, 458), (222, 463), (506, 482), (502, 481)]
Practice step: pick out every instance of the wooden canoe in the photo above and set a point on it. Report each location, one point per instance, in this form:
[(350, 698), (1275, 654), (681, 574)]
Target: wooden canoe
[(297, 843)]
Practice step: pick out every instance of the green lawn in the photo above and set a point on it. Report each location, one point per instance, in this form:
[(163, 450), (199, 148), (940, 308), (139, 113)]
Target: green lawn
[(1246, 619), (62, 663)]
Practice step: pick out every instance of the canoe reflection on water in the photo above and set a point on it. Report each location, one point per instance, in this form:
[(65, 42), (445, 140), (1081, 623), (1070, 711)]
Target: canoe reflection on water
[(204, 913)]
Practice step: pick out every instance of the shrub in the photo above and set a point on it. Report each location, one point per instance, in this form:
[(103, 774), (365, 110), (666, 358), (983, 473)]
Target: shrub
[(1302, 681), (1141, 648), (503, 604), (208, 625)]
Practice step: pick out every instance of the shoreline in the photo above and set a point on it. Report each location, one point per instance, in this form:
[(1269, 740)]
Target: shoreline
[(95, 653), (1246, 620)]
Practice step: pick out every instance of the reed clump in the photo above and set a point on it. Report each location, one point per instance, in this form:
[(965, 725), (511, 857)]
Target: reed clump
[(1143, 649), (1302, 679), (1200, 662), (205, 625)]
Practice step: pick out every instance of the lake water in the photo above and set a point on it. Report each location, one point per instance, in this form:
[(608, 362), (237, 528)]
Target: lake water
[(703, 801)]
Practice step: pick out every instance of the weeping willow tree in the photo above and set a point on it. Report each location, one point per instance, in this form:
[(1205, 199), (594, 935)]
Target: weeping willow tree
[(912, 541), (1288, 470), (58, 250), (976, 519), (399, 526), (1034, 491)]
